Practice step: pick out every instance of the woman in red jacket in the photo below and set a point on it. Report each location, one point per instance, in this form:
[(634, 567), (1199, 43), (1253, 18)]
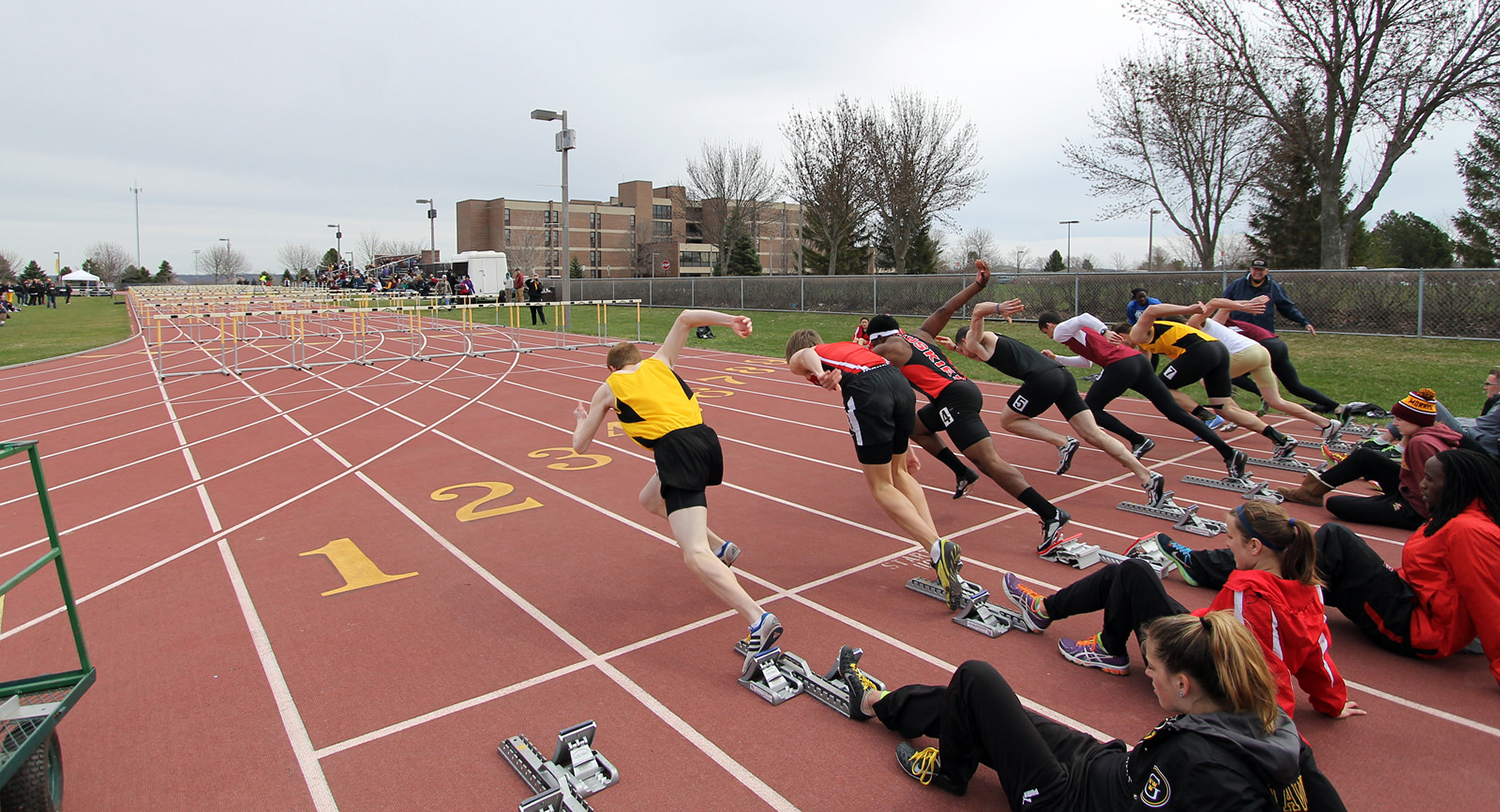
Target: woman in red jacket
[(1447, 590), (1273, 590)]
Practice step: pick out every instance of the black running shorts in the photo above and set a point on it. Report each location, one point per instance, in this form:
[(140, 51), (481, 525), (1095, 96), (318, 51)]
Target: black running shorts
[(1208, 362), (1055, 386), (688, 460), (881, 407), (957, 411)]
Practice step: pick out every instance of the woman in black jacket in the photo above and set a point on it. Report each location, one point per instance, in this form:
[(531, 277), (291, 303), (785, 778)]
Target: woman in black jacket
[(1226, 746)]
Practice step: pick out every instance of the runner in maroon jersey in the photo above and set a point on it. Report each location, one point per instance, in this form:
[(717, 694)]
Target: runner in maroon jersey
[(880, 407), (955, 405)]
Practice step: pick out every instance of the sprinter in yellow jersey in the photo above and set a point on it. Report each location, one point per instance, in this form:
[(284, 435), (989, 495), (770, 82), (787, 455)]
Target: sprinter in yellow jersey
[(1197, 356), (658, 410)]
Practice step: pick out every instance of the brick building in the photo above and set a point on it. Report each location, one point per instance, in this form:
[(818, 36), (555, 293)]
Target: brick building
[(641, 231)]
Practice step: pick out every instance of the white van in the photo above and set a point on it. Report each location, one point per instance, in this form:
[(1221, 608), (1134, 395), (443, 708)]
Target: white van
[(488, 270)]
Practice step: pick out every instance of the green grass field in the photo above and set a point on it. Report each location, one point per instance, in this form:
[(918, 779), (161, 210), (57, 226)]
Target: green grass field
[(42, 332)]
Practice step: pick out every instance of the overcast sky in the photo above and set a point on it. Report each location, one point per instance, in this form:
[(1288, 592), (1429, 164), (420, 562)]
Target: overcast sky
[(263, 122)]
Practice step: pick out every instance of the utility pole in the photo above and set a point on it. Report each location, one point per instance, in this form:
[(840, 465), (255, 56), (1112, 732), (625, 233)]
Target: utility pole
[(137, 191)]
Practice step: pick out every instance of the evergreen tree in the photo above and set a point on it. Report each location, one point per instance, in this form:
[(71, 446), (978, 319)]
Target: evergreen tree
[(164, 274), (33, 271), (853, 254), (742, 258), (1054, 262), (135, 276), (330, 258), (7, 273), (1284, 227), (924, 255), (575, 269), (1409, 241), (1479, 225)]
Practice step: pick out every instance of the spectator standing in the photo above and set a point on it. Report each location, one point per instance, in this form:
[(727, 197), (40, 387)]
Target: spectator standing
[(1258, 282), (1139, 301)]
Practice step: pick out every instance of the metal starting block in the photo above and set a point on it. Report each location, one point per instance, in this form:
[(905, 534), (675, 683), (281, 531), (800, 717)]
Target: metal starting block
[(1182, 518), (1284, 464), (1081, 556), (827, 688), (575, 772), (1263, 493), (1074, 553), (1239, 485), (976, 613), (1365, 430), (772, 675)]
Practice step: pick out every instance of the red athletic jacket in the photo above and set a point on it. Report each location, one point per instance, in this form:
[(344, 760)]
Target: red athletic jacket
[(1421, 445), (1456, 575), (1289, 620)]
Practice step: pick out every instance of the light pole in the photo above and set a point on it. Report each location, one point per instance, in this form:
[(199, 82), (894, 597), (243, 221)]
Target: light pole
[(56, 263), (1151, 241), (565, 140), (1069, 224), (338, 237), (432, 225), (196, 266), (137, 191), (228, 257)]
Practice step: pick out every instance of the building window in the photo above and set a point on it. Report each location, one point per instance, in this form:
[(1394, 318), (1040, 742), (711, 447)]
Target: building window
[(661, 228), (632, 222), (661, 212), (694, 259), (507, 216), (547, 216)]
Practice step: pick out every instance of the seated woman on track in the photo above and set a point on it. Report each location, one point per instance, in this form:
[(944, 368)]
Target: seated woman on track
[(1273, 590), (1400, 503), (862, 332), (1447, 590), (1226, 745)]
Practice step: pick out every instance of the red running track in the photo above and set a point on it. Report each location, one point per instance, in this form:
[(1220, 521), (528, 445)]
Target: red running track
[(499, 584)]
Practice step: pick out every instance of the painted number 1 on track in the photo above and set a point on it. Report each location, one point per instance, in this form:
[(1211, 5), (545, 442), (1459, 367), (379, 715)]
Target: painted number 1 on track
[(356, 568)]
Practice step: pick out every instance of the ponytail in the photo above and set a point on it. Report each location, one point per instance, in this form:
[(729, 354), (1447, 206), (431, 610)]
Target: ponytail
[(1222, 656), (1293, 541)]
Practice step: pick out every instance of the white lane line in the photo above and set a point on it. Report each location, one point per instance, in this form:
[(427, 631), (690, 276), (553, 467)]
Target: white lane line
[(1427, 709), (286, 706)]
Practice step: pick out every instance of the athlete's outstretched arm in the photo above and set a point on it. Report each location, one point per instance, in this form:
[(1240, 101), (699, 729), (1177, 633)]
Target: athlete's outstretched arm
[(590, 417), (689, 320), (805, 363), (937, 321), (1141, 332)]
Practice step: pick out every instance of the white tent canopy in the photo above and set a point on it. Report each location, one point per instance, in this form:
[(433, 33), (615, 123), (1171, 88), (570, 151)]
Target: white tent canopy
[(79, 276)]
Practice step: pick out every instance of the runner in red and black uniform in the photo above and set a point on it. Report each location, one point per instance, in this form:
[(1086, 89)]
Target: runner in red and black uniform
[(956, 404), (880, 407)]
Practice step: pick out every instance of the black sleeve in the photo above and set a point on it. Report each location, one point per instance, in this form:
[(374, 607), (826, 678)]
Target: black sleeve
[(1321, 796)]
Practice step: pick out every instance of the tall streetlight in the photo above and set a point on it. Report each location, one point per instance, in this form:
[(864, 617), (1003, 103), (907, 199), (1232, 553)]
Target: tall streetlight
[(1069, 224), (432, 225), (338, 237), (1151, 241), (565, 140), (137, 191), (56, 263), (196, 266)]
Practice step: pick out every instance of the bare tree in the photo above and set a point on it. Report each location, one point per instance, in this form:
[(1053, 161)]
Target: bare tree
[(10, 264), (1118, 260), (923, 164), (1384, 69), (222, 264), (1173, 133), (297, 257), (733, 183), (1234, 252), (1018, 256), (109, 261), (527, 241), (978, 244), (826, 173), (1087, 261), (370, 245), (404, 248)]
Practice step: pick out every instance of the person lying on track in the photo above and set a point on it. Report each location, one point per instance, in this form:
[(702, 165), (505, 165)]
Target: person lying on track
[(659, 411), (1125, 368), (956, 406), (1044, 383), (1447, 589), (881, 408), (1226, 747), (1273, 590)]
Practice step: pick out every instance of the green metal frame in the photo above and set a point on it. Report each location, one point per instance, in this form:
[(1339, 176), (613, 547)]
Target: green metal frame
[(22, 736)]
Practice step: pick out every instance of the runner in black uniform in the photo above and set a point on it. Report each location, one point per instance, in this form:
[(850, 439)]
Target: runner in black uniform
[(1044, 383), (955, 405)]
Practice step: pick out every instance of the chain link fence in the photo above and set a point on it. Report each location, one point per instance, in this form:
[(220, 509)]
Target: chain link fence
[(1428, 303)]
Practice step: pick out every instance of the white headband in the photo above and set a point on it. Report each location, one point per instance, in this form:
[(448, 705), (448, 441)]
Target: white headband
[(884, 334)]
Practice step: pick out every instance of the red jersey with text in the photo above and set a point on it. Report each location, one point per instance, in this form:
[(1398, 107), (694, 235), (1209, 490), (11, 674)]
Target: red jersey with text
[(847, 357), (928, 368), (1094, 346)]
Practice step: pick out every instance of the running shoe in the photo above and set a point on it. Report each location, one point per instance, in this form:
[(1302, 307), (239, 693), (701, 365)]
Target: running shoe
[(1089, 654), (763, 635), (925, 766), (1094, 378), (1236, 464), (1179, 554), (1261, 412), (1215, 422), (728, 552), (1052, 531), (970, 476), (947, 562), (1142, 448), (1156, 489), (1065, 456), (1286, 449), (1032, 604), (855, 682), (1331, 432)]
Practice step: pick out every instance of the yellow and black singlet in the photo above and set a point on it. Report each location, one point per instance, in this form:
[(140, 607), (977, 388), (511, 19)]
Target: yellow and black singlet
[(652, 400), (1172, 339)]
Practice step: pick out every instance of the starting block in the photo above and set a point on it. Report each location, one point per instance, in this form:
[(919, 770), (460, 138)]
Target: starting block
[(575, 772), (1182, 518), (1074, 553), (1283, 463), (772, 675), (827, 688), (977, 612), (1263, 493), (1242, 484), (1365, 430), (1081, 556)]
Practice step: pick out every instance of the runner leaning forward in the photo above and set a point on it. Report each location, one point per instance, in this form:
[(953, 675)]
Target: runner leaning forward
[(956, 403)]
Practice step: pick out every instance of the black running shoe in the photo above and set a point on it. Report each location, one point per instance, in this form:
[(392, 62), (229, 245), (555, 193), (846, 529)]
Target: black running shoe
[(1065, 456), (855, 682), (1142, 448), (1285, 450), (970, 476), (1236, 465), (1052, 531), (1156, 489)]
